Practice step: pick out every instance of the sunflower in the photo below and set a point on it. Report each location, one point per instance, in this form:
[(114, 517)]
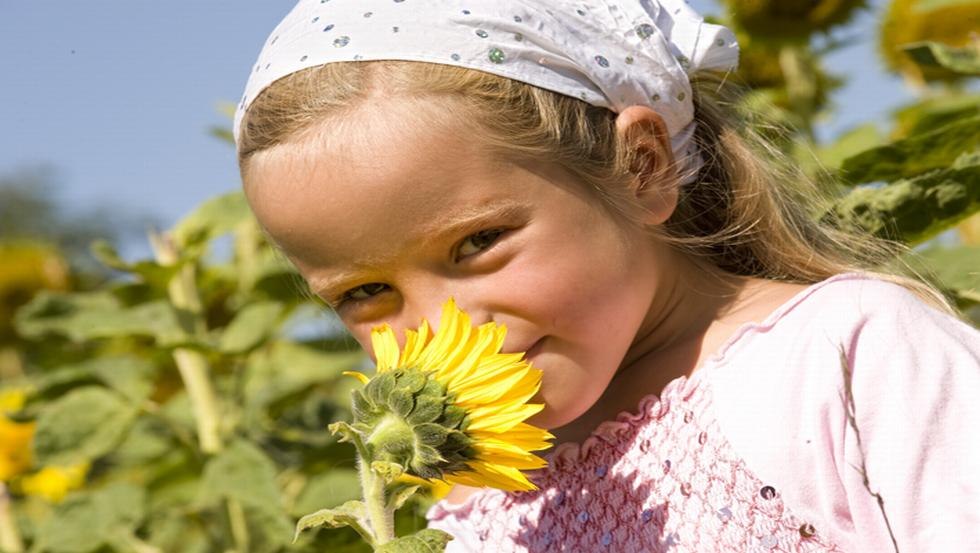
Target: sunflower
[(449, 406), (54, 482), (15, 437)]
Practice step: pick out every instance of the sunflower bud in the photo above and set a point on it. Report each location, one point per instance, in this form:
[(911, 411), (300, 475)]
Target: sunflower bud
[(449, 406), (406, 417)]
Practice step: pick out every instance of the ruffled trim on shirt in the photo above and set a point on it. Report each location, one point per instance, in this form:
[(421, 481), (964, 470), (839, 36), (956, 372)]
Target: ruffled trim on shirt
[(650, 407)]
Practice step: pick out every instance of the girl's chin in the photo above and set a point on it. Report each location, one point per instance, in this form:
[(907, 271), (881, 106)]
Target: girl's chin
[(553, 416)]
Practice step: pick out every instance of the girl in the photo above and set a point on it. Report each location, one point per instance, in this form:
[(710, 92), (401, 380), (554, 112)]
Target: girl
[(721, 373)]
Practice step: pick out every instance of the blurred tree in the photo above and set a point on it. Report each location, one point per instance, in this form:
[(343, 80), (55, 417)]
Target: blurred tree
[(30, 210)]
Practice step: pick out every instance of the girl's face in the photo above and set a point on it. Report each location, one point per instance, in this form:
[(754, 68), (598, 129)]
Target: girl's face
[(389, 220)]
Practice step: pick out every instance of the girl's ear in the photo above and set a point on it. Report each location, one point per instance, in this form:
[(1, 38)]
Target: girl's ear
[(655, 181)]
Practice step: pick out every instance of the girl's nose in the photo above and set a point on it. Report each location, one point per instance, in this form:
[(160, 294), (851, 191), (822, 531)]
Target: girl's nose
[(430, 308)]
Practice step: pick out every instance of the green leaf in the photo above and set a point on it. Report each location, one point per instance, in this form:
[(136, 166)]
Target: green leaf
[(965, 61), (352, 513), (268, 528), (926, 6), (328, 489), (250, 327), (428, 540), (935, 112), (286, 368), (85, 522), (916, 154), (174, 532), (131, 376), (88, 316), (151, 272), (83, 425), (913, 210), (211, 219), (848, 144), (958, 269), (244, 473)]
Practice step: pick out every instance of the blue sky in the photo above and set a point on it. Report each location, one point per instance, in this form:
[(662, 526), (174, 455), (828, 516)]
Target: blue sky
[(118, 95)]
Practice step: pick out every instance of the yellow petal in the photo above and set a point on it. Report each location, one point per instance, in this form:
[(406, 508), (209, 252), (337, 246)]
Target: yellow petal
[(503, 477), (385, 346), (501, 420), (491, 391), (362, 377), (415, 342)]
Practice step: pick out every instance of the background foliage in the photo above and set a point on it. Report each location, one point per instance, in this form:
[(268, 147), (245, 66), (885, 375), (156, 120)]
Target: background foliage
[(180, 403)]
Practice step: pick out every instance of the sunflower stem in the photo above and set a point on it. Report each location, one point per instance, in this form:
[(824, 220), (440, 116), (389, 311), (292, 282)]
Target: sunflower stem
[(10, 540), (380, 516)]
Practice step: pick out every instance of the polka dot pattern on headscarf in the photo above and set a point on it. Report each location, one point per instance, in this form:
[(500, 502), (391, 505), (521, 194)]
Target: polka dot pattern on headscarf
[(609, 54)]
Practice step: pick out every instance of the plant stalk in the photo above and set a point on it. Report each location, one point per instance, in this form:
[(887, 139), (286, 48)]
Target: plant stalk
[(382, 518), (194, 370), (10, 540), (192, 365), (239, 528)]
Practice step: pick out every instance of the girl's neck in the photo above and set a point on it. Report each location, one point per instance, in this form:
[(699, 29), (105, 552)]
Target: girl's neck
[(694, 314)]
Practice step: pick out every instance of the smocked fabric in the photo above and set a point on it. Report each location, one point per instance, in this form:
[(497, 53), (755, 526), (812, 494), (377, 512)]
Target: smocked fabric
[(663, 479)]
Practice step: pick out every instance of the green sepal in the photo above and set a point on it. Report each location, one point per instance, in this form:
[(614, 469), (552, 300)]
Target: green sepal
[(344, 431), (453, 416), (360, 406), (426, 409), (380, 386), (433, 388), (413, 380), (428, 540), (387, 470), (431, 434), (400, 400), (398, 496), (352, 513)]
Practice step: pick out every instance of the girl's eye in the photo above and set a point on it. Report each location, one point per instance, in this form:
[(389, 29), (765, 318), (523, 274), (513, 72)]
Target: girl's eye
[(363, 292), (478, 242)]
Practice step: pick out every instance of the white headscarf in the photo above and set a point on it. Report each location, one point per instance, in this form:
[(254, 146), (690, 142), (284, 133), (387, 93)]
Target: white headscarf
[(609, 53)]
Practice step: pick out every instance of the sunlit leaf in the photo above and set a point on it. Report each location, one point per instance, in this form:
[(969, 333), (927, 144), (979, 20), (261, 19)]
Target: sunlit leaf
[(211, 219), (83, 425), (150, 272), (250, 327), (958, 269), (86, 522), (916, 154), (87, 316), (428, 540), (351, 513), (913, 210), (965, 60), (328, 489), (244, 473)]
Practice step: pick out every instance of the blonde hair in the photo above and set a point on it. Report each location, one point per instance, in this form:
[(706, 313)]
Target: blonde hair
[(750, 211)]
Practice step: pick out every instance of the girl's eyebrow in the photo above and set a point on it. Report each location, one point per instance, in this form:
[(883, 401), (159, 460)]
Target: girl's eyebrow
[(457, 223), (469, 220)]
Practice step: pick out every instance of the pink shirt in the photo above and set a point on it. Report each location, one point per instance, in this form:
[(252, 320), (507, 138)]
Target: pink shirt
[(754, 451)]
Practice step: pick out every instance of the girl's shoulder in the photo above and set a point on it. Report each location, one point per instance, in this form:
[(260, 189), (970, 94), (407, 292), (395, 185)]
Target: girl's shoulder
[(857, 377), (845, 308)]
